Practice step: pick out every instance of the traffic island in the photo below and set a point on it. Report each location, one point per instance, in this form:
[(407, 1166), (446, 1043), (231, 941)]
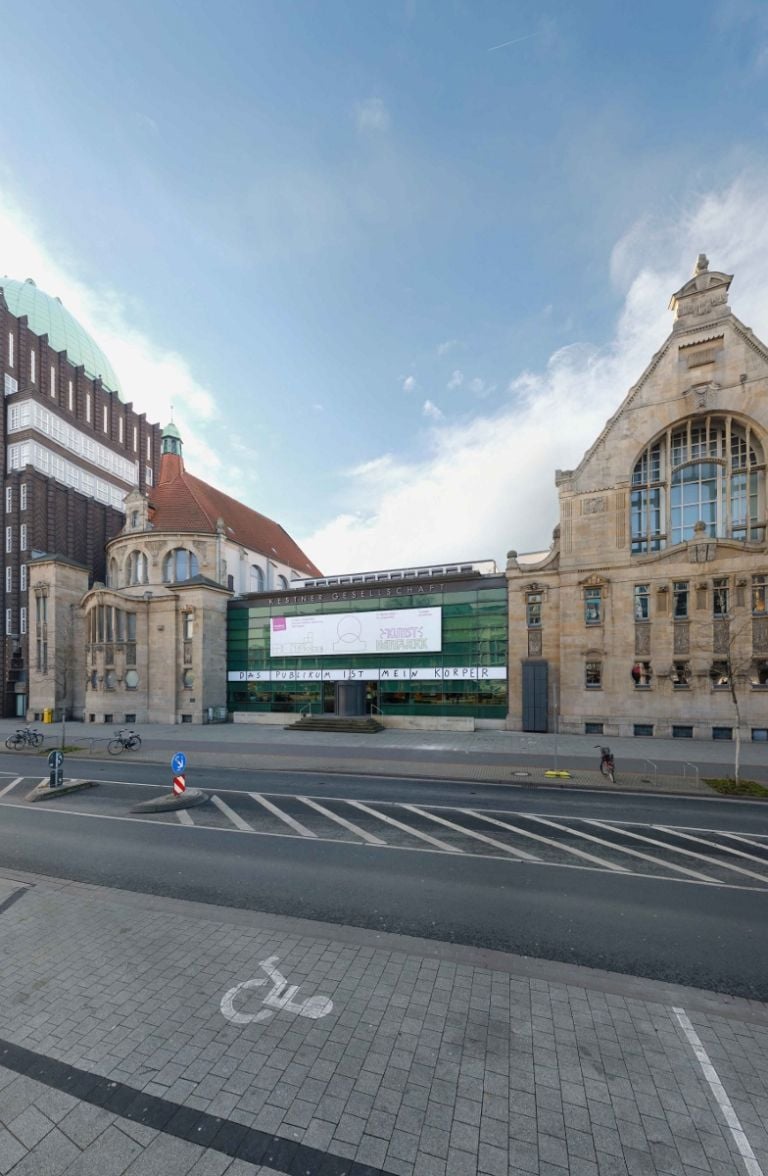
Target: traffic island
[(169, 802), (44, 791)]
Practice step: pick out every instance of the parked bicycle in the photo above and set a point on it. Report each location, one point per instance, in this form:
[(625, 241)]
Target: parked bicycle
[(607, 763), (24, 737), (124, 740)]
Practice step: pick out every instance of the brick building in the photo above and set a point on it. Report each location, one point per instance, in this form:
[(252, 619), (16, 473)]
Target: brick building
[(71, 451), (647, 615)]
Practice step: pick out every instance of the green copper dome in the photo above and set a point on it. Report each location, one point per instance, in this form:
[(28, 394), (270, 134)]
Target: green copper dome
[(47, 316)]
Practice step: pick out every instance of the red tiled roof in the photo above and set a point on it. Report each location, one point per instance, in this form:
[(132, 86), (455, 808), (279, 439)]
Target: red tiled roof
[(183, 502)]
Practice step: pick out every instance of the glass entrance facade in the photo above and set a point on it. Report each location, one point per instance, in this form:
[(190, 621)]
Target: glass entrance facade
[(465, 676)]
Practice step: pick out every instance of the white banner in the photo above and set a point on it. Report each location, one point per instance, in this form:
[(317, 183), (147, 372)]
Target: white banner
[(397, 630), (399, 674)]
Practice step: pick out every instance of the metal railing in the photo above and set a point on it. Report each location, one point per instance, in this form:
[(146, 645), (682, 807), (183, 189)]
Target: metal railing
[(688, 764), (655, 769)]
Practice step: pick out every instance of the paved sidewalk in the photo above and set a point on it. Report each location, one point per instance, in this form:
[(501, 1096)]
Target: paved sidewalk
[(128, 1044), (480, 756)]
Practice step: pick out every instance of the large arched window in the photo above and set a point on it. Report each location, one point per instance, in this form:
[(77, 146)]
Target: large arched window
[(282, 583), (708, 470), (256, 579), (180, 564), (138, 569)]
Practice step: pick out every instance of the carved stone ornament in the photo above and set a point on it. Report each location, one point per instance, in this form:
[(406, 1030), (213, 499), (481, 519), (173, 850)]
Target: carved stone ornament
[(534, 642), (721, 636), (682, 637), (642, 639), (595, 505)]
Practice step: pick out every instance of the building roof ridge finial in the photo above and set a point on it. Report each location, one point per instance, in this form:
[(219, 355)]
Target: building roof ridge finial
[(702, 264)]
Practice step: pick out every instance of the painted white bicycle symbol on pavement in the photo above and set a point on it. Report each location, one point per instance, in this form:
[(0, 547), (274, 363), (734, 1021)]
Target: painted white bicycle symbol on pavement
[(279, 999)]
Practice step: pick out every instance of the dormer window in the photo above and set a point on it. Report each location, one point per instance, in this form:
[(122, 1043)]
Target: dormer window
[(134, 519)]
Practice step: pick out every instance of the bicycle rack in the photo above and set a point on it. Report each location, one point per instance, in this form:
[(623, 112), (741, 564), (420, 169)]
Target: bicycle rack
[(688, 764), (655, 769)]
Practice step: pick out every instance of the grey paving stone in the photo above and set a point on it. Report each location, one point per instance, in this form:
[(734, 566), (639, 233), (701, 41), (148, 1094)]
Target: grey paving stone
[(11, 1151), (52, 1156), (30, 1126), (84, 1123), (165, 1156), (492, 1160)]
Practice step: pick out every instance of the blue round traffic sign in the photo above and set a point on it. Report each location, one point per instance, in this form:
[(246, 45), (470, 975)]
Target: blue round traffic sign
[(178, 763)]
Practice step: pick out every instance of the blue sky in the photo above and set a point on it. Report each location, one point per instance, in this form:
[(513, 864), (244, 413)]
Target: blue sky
[(390, 275)]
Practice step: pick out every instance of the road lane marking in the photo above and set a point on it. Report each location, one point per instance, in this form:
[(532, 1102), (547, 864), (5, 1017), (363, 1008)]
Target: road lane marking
[(184, 817), (234, 817), (604, 865), (718, 1090), (744, 840), (13, 783), (350, 825), (715, 845), (443, 845), (647, 857), (699, 857), (521, 853), (278, 812)]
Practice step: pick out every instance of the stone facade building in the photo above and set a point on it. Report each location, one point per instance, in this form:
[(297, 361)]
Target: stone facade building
[(72, 450), (149, 644), (647, 616)]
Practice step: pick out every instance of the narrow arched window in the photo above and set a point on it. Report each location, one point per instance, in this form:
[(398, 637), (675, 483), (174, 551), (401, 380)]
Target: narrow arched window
[(282, 582), (256, 579), (138, 569), (180, 564)]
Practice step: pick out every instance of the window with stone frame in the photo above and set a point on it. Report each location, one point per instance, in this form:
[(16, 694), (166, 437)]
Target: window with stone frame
[(641, 675), (719, 675), (593, 606), (642, 602), (138, 568), (720, 597), (680, 596), (533, 610), (681, 675), (758, 595), (760, 672), (593, 675)]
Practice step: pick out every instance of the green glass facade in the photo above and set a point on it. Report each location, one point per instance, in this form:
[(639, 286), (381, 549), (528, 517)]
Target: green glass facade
[(474, 646)]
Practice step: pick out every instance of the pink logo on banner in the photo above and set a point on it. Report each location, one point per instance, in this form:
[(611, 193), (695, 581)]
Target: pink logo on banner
[(278, 625)]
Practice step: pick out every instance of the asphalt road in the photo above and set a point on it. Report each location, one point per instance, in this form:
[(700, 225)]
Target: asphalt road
[(670, 928)]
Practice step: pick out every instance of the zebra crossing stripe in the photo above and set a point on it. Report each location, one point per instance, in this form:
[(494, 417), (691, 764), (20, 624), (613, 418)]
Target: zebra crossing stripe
[(350, 825), (8, 787), (278, 812), (752, 857), (231, 815), (443, 845), (590, 857), (521, 853), (700, 857)]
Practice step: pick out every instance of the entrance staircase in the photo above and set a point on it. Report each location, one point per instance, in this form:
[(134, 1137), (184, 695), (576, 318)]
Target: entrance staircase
[(359, 726)]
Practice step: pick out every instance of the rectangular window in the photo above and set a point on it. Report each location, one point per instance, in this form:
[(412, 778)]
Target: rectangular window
[(8, 621), (758, 595), (148, 475), (130, 623), (71, 397), (187, 622), (11, 385), (533, 609), (642, 602), (680, 594), (681, 675), (32, 367), (23, 496), (759, 673), (720, 597), (641, 675), (722, 732), (8, 539), (23, 537), (682, 732), (53, 381), (760, 734), (105, 418), (593, 606), (120, 429), (642, 729), (10, 349), (9, 579), (593, 675), (23, 578), (22, 619), (135, 439), (88, 407), (149, 448), (593, 728), (8, 499), (719, 675)]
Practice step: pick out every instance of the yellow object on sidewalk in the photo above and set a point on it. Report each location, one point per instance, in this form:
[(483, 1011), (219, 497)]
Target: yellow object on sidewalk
[(48, 715), (561, 775)]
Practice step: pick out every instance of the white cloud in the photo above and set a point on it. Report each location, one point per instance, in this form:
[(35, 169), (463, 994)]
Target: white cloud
[(152, 377), (487, 485), (456, 380), (477, 386), (448, 345), (432, 411), (372, 115), (409, 384)]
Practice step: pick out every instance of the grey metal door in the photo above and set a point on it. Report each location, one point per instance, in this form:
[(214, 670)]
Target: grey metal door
[(535, 692), (350, 699)]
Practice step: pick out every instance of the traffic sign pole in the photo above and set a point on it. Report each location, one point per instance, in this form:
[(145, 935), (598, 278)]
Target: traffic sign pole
[(56, 766), (179, 785)]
